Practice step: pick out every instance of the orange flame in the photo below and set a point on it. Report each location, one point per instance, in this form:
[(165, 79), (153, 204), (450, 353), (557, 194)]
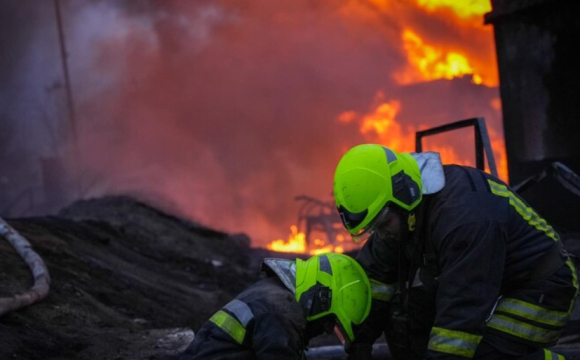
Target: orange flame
[(296, 243), (429, 63), (381, 126), (426, 61)]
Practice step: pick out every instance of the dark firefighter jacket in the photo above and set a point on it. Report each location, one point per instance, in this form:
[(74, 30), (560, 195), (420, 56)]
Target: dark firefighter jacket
[(476, 245), (263, 322)]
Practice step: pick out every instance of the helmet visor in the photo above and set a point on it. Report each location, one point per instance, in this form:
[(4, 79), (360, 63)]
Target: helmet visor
[(364, 233)]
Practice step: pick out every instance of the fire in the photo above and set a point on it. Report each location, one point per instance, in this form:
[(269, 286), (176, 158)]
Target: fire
[(430, 63), (296, 243), (428, 58), (462, 8), (381, 126)]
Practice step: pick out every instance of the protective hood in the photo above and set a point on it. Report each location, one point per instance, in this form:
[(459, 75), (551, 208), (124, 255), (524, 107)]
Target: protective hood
[(284, 269), (431, 170)]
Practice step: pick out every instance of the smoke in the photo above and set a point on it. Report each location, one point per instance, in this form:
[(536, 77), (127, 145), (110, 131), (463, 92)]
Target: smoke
[(228, 109)]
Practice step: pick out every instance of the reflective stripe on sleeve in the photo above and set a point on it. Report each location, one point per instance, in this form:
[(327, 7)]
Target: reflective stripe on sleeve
[(522, 329), (533, 312), (230, 325), (525, 211), (382, 291), (550, 355), (570, 264), (453, 342), (240, 310)]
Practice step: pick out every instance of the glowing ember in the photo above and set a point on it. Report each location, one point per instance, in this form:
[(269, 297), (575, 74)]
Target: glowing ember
[(430, 63)]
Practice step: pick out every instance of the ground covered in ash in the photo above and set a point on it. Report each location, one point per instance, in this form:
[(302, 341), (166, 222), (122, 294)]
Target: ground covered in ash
[(128, 281)]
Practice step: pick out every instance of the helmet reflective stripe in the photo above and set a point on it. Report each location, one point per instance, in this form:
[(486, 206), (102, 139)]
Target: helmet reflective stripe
[(234, 324), (325, 264), (390, 155), (453, 342), (370, 177), (333, 284)]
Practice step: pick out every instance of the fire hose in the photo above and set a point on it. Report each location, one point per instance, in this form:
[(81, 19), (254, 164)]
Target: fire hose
[(41, 285)]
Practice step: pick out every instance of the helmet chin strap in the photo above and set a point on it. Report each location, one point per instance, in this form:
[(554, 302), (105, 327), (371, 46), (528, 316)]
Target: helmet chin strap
[(407, 227), (319, 326)]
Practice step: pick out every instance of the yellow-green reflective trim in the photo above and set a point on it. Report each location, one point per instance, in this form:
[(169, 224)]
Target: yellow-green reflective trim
[(523, 330), (453, 342), (550, 355), (230, 325), (382, 291), (572, 267), (533, 312), (526, 212)]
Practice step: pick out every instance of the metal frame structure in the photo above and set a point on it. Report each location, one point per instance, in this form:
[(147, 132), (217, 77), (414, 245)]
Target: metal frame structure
[(482, 144), (317, 215)]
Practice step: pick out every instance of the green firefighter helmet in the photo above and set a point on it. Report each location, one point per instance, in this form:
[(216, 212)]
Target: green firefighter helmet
[(334, 284), (368, 180)]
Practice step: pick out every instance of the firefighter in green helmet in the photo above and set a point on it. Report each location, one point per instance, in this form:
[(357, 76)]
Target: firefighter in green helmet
[(460, 266), (276, 317)]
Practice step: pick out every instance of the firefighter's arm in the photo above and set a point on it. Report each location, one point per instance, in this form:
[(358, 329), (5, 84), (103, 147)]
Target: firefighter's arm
[(379, 262), (471, 258), (279, 336)]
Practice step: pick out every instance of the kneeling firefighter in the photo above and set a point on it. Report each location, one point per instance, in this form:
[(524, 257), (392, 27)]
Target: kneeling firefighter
[(460, 266), (276, 317)]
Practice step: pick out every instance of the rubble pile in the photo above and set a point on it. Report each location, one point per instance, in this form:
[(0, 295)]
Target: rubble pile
[(128, 281)]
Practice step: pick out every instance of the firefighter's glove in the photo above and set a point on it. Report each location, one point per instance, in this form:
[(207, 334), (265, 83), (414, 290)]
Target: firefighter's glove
[(360, 352)]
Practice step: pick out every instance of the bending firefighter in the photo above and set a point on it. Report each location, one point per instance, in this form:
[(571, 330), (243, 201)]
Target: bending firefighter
[(460, 266), (277, 316)]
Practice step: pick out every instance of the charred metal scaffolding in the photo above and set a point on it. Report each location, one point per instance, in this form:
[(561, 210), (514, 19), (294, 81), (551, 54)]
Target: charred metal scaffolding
[(318, 216)]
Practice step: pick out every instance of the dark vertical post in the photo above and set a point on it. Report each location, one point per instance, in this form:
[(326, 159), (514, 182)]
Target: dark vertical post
[(479, 158), (69, 96), (486, 146), (418, 142)]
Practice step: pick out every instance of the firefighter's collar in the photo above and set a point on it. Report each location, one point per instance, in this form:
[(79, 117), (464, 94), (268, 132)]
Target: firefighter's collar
[(285, 269), (431, 169)]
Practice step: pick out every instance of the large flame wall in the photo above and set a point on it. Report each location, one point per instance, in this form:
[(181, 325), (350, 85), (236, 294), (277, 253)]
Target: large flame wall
[(225, 110)]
